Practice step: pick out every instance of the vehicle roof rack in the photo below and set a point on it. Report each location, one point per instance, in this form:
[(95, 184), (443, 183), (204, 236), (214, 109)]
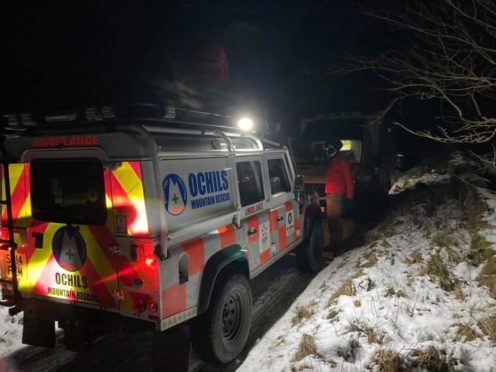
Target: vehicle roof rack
[(109, 115)]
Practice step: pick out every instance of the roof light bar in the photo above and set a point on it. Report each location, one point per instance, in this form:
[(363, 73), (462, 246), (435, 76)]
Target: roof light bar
[(57, 118), (99, 113)]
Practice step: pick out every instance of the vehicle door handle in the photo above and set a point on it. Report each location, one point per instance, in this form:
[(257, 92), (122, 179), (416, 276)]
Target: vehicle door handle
[(280, 218), (252, 231)]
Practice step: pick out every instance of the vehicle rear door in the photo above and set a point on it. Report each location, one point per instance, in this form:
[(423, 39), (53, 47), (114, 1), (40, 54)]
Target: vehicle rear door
[(72, 249)]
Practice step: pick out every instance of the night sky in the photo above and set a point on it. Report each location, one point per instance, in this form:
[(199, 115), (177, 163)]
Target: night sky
[(58, 53)]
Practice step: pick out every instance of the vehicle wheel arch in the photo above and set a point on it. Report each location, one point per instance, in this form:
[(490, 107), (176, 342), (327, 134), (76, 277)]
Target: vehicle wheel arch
[(230, 258)]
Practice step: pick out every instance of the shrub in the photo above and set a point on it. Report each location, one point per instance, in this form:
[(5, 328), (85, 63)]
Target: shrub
[(346, 289)]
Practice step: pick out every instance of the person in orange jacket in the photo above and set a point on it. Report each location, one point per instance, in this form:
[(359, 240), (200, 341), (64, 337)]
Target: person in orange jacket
[(338, 189)]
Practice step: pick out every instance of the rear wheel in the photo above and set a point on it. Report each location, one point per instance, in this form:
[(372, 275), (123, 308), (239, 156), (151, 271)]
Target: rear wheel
[(309, 255), (221, 333)]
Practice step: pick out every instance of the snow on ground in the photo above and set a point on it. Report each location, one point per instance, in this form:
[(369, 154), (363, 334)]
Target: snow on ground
[(410, 298), (10, 332)]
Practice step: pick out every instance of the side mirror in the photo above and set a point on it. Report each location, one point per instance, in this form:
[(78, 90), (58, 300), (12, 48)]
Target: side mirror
[(299, 183)]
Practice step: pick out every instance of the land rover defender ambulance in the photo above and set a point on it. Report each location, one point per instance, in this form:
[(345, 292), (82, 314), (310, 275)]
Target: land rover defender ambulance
[(111, 223)]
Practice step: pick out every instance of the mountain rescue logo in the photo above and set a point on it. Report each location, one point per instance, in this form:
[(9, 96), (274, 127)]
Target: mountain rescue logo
[(175, 194), (69, 248)]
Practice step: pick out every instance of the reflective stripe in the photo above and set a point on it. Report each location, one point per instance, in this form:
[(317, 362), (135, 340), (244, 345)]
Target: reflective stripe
[(227, 236), (195, 249), (265, 256)]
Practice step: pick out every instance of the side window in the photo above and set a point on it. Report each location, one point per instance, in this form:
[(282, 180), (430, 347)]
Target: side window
[(279, 181), (250, 182)]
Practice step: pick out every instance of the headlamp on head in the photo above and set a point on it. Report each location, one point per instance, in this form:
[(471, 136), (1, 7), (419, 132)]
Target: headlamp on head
[(333, 147)]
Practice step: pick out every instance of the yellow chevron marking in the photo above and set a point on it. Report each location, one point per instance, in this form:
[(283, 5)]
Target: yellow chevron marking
[(100, 262), (134, 188), (126, 176), (25, 218), (15, 171)]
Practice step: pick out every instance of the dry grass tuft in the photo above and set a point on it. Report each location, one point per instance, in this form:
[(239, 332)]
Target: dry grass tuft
[(371, 258), (333, 315), (453, 255), (458, 291), (487, 275), (356, 325), (415, 258), (480, 249), (478, 242), (359, 273), (430, 359), (302, 313), (474, 208), (373, 337), (466, 333), (349, 352), (305, 348), (437, 269), (346, 289), (386, 361), (488, 327), (391, 292), (357, 303), (444, 239)]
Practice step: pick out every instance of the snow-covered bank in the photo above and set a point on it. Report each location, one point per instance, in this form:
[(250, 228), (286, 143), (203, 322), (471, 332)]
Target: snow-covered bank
[(411, 298)]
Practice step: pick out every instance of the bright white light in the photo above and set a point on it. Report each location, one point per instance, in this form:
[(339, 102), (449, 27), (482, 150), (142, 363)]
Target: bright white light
[(245, 124)]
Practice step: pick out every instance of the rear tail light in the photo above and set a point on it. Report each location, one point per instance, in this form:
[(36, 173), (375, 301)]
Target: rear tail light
[(152, 307), (151, 261)]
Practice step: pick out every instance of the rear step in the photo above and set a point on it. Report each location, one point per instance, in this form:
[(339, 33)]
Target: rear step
[(8, 286)]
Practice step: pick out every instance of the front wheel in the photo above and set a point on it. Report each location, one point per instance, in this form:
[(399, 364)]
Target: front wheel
[(309, 255), (221, 333)]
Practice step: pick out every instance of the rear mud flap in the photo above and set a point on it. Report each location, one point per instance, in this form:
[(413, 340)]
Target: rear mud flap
[(171, 350), (77, 335), (37, 331)]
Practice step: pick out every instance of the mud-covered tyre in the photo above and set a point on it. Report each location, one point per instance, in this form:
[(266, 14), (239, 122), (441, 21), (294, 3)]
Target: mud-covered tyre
[(309, 255), (219, 335)]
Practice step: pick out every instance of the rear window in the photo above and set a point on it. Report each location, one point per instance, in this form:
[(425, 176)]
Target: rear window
[(68, 191), (314, 152)]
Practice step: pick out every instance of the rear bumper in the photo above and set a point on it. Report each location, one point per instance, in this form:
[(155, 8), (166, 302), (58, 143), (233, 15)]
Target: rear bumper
[(108, 322)]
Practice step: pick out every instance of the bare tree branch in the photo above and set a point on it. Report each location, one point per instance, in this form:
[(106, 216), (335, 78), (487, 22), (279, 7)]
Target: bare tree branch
[(450, 59)]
